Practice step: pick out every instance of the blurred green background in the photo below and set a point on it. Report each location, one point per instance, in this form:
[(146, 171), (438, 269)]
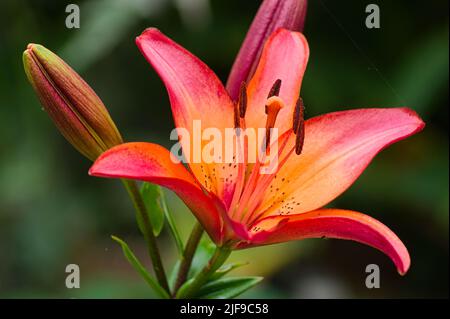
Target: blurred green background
[(53, 214)]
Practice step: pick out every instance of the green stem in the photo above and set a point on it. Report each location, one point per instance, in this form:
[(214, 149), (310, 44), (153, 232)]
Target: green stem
[(188, 255), (153, 251), (220, 256)]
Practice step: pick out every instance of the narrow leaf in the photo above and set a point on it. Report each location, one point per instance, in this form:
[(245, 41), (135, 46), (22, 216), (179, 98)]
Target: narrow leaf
[(173, 274), (184, 287), (227, 288), (225, 269), (129, 255), (203, 254)]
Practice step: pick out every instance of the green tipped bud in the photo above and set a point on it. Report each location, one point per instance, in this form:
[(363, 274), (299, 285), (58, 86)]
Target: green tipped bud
[(76, 110)]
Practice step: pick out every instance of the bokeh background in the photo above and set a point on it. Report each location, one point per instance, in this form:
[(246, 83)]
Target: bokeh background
[(53, 214)]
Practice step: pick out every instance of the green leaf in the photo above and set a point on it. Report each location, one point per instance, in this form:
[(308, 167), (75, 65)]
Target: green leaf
[(173, 274), (227, 288), (153, 201), (129, 255), (184, 287), (225, 269), (203, 254)]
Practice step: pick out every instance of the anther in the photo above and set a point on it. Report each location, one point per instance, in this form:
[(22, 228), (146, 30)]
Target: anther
[(299, 121), (275, 90), (299, 107), (300, 139), (237, 120), (243, 100)]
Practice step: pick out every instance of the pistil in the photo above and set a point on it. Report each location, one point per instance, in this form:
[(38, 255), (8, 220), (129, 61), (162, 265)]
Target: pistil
[(273, 106)]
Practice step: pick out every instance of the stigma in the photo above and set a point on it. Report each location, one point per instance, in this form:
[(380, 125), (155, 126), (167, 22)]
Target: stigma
[(273, 106)]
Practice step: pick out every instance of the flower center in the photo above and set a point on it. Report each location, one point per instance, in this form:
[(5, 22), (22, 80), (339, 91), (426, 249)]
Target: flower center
[(251, 185)]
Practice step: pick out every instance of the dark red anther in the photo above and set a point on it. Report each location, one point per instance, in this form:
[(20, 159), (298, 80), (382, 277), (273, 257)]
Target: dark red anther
[(296, 116), (275, 90), (299, 126), (237, 120), (300, 138), (243, 100)]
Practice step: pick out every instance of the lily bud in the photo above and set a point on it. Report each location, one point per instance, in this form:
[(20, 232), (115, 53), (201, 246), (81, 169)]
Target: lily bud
[(76, 110), (272, 15)]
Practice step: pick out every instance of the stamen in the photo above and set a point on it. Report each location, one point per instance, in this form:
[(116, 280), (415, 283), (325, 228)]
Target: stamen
[(265, 180), (273, 106), (241, 152), (296, 116), (243, 100), (242, 148), (275, 90), (300, 138), (300, 129)]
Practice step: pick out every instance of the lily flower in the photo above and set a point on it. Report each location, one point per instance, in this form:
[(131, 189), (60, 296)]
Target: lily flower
[(319, 158)]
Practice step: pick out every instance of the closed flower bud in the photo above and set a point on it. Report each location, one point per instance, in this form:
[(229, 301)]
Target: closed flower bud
[(74, 107)]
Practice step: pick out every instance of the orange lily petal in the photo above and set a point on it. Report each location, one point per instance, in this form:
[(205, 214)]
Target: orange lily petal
[(338, 147), (195, 93), (153, 163), (284, 57), (333, 223)]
